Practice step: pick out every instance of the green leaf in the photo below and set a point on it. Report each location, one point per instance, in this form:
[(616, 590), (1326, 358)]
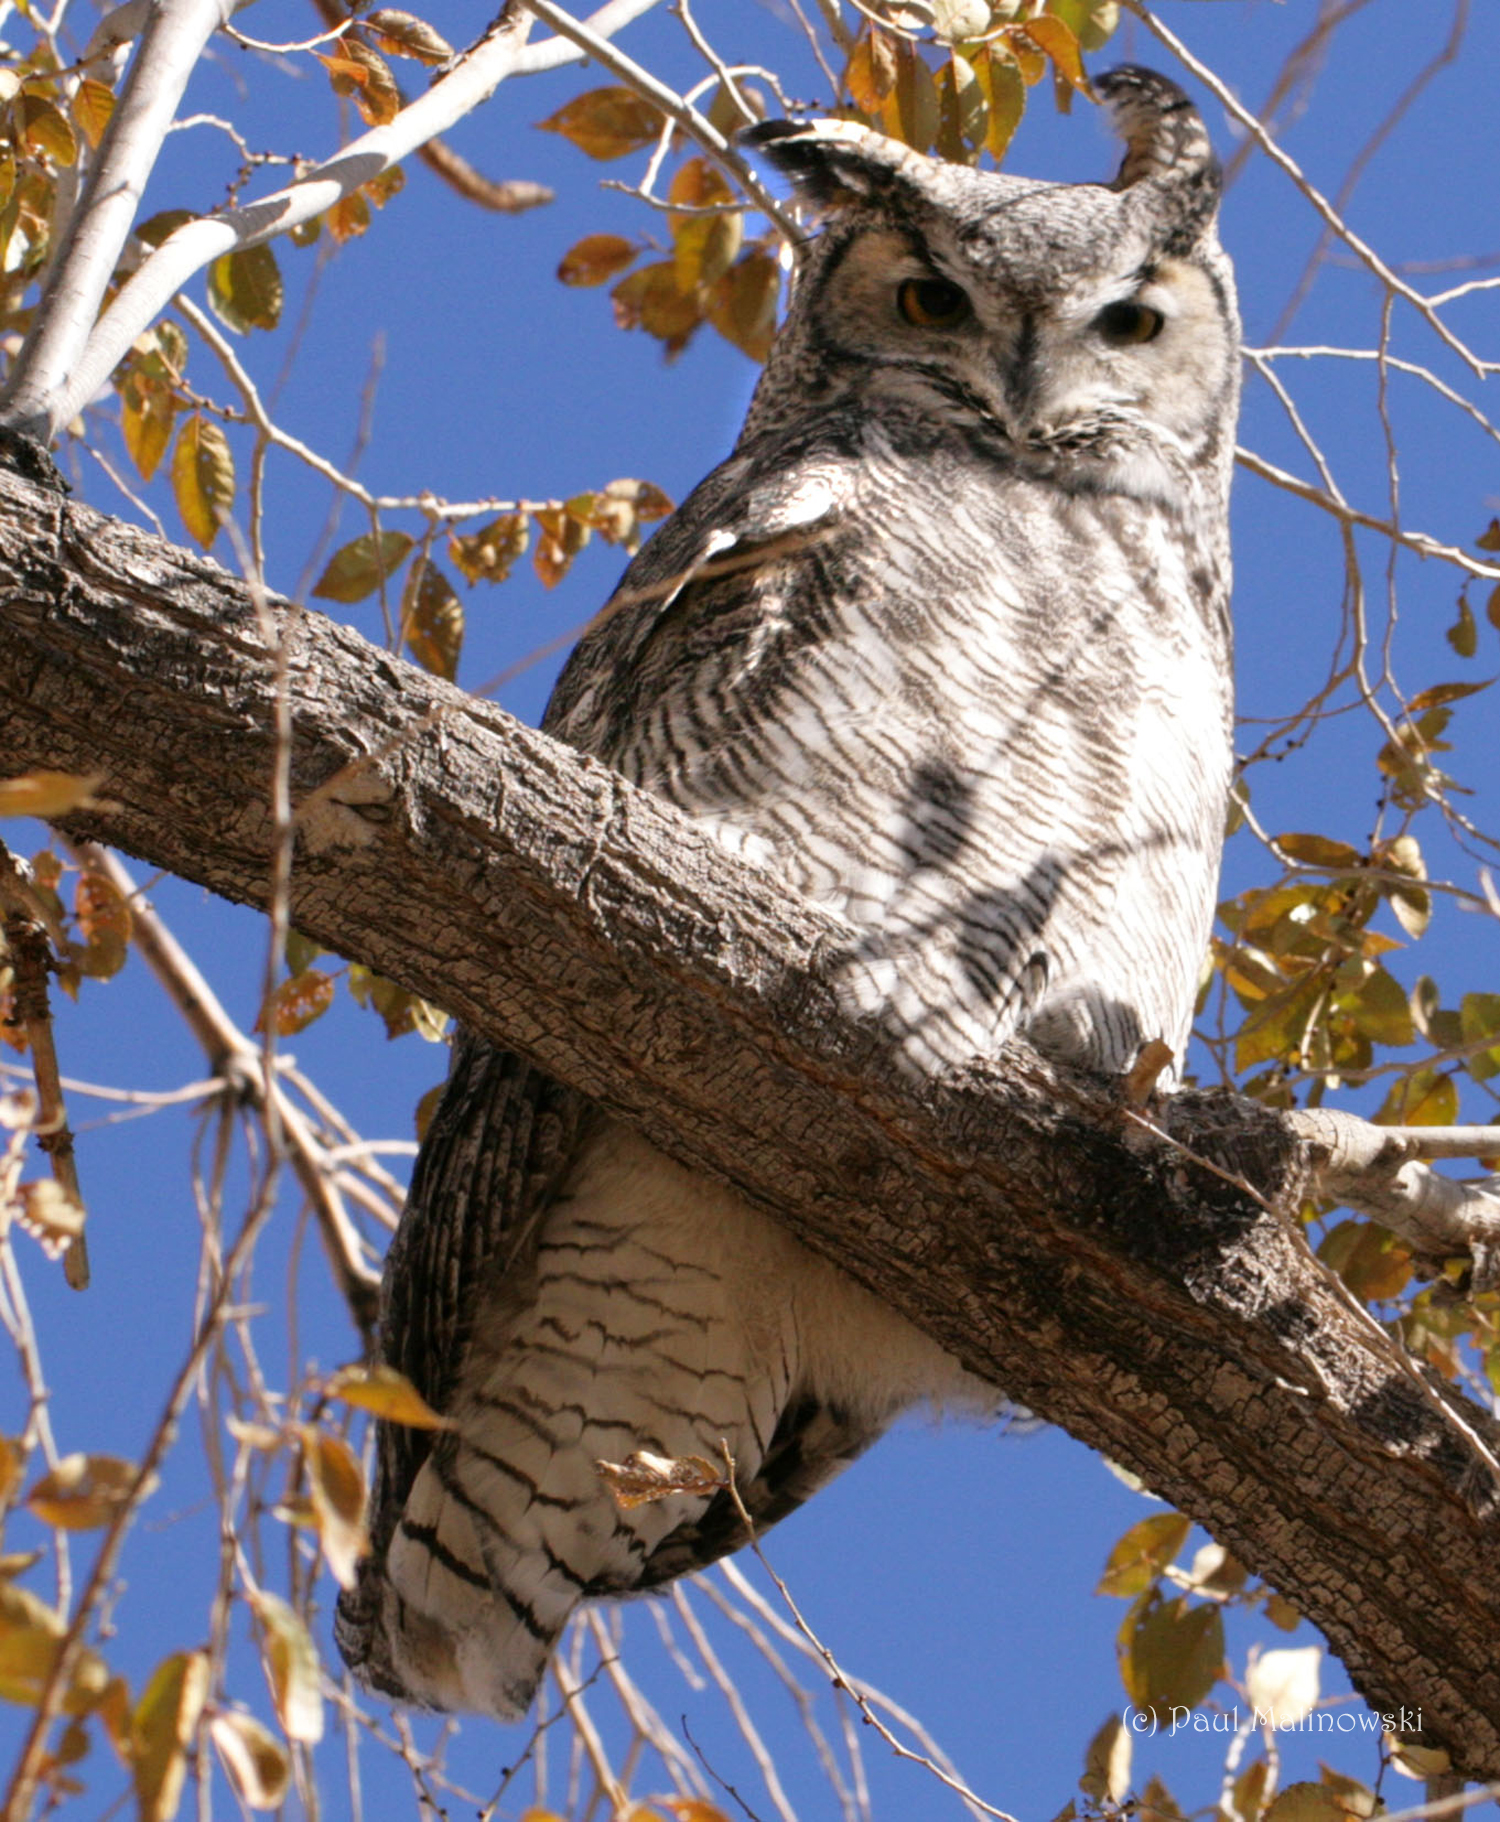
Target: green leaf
[(1479, 1019), (245, 289), (361, 566), (1463, 635), (1173, 1656), (1380, 1009), (1138, 1558)]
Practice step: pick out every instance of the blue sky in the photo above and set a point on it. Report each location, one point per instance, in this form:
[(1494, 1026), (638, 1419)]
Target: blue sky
[(951, 1568)]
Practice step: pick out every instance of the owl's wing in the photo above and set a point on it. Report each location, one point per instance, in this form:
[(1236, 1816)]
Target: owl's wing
[(768, 502), (500, 1139)]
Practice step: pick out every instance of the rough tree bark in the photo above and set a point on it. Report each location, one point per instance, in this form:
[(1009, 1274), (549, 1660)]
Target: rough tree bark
[(1098, 1272)]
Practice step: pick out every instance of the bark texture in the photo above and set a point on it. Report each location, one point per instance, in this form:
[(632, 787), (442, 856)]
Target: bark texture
[(1101, 1274)]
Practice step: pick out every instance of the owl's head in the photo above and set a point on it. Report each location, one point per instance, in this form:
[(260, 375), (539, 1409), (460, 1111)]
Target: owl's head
[(1080, 330)]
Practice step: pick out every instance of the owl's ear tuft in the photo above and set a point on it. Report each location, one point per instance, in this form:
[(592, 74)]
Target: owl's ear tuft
[(835, 164), (1168, 153)]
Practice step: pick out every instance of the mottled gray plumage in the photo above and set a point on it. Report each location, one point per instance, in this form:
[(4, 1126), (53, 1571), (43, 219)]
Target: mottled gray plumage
[(944, 644)]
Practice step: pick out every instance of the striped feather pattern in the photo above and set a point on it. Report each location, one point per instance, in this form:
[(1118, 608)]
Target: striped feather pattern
[(945, 645)]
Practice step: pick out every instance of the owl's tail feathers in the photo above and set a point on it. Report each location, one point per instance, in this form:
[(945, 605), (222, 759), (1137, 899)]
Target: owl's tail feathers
[(441, 1622)]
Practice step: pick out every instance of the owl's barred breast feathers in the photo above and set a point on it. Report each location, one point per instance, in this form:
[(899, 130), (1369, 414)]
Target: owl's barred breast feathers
[(944, 643)]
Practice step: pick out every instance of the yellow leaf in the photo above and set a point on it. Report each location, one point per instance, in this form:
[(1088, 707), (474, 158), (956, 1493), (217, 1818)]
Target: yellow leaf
[(404, 35), (389, 1394), (435, 629), (1423, 1098), (704, 247), (253, 1758), (48, 794), (148, 411), (92, 106), (202, 477), (606, 123), (870, 74), (82, 1492), (294, 1005), (1056, 38), (45, 129), (1320, 851), (12, 1465), (245, 289), (292, 1666), (338, 1500), (1310, 1803), (161, 1730), (1030, 60), (1005, 98)]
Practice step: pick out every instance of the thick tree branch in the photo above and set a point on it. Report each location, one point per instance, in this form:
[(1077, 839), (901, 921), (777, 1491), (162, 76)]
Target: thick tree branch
[(1094, 1269)]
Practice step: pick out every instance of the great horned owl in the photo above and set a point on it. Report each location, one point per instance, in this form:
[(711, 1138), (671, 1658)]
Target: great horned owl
[(944, 644)]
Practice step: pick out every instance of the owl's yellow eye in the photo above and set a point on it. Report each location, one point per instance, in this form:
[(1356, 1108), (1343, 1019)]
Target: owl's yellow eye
[(931, 303), (1129, 322)]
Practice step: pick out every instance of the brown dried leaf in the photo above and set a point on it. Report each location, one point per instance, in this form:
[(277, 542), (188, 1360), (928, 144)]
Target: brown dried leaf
[(49, 1214), (487, 555), (650, 298), (389, 1394), (404, 35), (596, 258), (337, 1488), (606, 123), (643, 1477), (294, 1005), (102, 912), (435, 630), (364, 77), (349, 217), (742, 306), (47, 794), (82, 1492), (253, 1758)]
